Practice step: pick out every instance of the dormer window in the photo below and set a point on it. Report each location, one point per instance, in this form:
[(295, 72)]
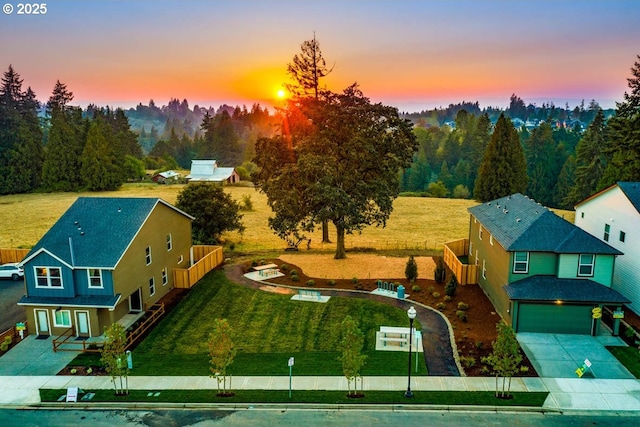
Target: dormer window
[(48, 277), (586, 264), (95, 277)]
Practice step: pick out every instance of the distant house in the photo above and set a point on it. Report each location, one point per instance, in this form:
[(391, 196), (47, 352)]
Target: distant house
[(613, 216), (104, 258), (209, 171), (542, 273), (166, 177)]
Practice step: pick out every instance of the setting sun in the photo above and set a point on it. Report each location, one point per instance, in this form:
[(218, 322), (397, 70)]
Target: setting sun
[(281, 93)]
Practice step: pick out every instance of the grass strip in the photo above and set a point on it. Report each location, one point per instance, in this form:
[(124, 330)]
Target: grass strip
[(447, 398), (629, 357)]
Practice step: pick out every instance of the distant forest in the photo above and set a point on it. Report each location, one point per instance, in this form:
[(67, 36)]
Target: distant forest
[(570, 152)]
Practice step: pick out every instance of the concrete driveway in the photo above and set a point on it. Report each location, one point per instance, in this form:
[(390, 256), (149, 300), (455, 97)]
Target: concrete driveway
[(559, 355)]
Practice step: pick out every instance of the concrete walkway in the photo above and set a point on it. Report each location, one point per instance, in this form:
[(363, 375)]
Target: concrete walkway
[(566, 395)]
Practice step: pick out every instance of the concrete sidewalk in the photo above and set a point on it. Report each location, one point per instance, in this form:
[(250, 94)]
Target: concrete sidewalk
[(566, 394)]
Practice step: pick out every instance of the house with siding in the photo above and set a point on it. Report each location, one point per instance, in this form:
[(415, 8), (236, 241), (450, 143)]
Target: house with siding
[(613, 216), (542, 273), (104, 258)]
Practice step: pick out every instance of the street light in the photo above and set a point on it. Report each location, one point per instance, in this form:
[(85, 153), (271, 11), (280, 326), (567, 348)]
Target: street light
[(412, 315)]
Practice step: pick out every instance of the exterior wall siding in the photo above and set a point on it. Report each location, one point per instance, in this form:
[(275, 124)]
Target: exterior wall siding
[(612, 207), (497, 262), (540, 264), (46, 260), (603, 268), (133, 273)]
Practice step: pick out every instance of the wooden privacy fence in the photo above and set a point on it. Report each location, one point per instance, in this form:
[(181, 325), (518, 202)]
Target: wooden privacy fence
[(206, 258), (467, 274), (12, 255)]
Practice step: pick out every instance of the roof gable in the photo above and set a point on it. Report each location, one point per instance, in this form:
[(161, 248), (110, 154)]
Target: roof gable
[(632, 191), (518, 223), (96, 231)]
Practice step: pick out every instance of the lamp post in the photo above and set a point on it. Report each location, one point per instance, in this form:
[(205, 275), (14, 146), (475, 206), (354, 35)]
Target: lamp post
[(412, 315)]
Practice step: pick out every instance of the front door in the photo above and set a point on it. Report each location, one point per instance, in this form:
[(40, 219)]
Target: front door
[(135, 301), (42, 322), (82, 324)]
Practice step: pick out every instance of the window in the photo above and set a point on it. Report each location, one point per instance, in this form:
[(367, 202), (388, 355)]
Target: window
[(62, 318), (169, 242), (48, 277), (165, 279), (581, 214), (476, 257), (148, 255), (607, 230), (585, 264), (480, 233), (491, 239), (484, 268), (180, 259), (623, 235), (521, 262), (471, 248), (95, 277), (152, 286)]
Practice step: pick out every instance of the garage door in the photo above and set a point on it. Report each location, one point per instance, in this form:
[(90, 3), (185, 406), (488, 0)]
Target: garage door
[(554, 318)]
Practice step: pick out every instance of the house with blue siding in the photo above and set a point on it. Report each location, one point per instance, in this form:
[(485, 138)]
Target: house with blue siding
[(104, 258), (542, 273)]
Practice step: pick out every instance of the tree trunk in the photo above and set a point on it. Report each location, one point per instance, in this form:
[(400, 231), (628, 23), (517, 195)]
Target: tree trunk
[(325, 231), (341, 253)]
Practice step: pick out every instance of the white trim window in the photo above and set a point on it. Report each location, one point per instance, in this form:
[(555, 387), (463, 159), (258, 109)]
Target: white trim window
[(521, 262), (586, 264), (147, 255), (180, 259), (169, 242), (152, 287), (623, 236), (607, 232), (95, 278), (484, 268), (62, 318), (48, 277), (480, 232), (165, 277), (491, 239), (470, 248)]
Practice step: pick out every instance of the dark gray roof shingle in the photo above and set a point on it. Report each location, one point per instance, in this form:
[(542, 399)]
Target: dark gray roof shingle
[(551, 288), (520, 224), (632, 191), (100, 228)]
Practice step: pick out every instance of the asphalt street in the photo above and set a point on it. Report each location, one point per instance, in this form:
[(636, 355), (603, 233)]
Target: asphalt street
[(10, 292)]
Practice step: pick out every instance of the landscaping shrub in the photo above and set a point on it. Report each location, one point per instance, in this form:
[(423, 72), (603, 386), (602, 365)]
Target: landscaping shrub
[(411, 270), (468, 361), (462, 315), (479, 345), (311, 282), (439, 273), (416, 288), (462, 306), (284, 267), (331, 282), (441, 306), (254, 263), (629, 332), (293, 273), (295, 278), (451, 286), (355, 280), (436, 295), (447, 298), (524, 369), (430, 289)]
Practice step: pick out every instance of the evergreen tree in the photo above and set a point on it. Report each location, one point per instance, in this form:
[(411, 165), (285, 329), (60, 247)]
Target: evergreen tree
[(590, 161), (540, 151), (99, 169), (60, 97), (503, 170), (307, 69)]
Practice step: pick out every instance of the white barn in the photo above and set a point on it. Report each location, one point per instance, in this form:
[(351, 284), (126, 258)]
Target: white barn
[(209, 171), (613, 216)]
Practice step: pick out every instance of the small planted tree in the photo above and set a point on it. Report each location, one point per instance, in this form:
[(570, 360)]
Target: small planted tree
[(352, 358), (221, 354), (114, 358), (439, 273), (505, 359), (411, 270), (451, 286)]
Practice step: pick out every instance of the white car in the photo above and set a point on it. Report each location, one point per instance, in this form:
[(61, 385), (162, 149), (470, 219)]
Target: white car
[(11, 271)]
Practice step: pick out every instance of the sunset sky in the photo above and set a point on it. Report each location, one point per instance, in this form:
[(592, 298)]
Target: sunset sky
[(410, 54)]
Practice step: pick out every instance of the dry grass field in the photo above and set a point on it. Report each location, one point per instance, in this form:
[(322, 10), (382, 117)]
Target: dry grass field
[(416, 223)]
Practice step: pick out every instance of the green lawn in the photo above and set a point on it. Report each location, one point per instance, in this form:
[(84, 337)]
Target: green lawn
[(629, 357), (484, 398), (268, 329)]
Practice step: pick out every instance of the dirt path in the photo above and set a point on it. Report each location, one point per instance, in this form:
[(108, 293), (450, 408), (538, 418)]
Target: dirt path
[(436, 342)]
